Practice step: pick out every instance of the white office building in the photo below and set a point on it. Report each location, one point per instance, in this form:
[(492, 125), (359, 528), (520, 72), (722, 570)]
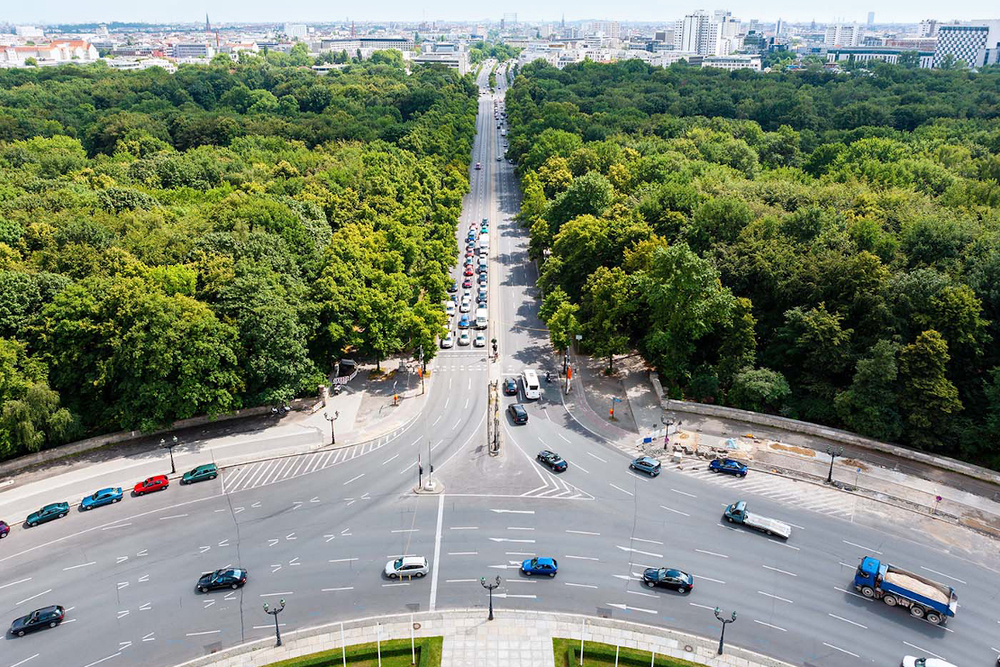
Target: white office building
[(697, 33), (976, 43), (733, 62), (296, 31), (843, 35)]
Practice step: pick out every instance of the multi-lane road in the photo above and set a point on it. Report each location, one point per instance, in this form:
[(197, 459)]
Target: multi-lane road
[(317, 529)]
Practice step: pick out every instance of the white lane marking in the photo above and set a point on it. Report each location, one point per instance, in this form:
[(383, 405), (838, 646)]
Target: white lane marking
[(769, 625), (943, 575), (332, 590), (437, 552), (353, 479), (841, 618), (32, 597), (342, 560), (670, 509), (97, 662), (463, 553), (446, 402), (507, 539), (401, 583), (684, 493), (582, 532), (582, 557), (73, 567), (557, 433), (459, 581), (412, 465), (718, 581), (513, 595), (837, 648), (457, 422), (869, 549), (648, 595), (644, 553), (14, 583), (267, 627), (467, 528), (639, 539), (125, 612), (206, 632), (406, 530), (436, 420), (274, 595), (513, 511), (175, 516), (711, 553), (17, 664), (775, 597), (923, 650), (119, 525), (626, 607), (774, 569), (518, 528), (597, 457), (622, 490), (570, 583)]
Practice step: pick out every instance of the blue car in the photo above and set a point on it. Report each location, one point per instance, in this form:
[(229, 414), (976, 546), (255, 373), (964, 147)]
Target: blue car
[(47, 513), (547, 566), (646, 464), (102, 497), (729, 467), (463, 323)]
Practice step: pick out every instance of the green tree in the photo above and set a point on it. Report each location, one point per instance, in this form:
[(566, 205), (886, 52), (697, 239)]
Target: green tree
[(609, 302), (758, 390), (590, 194), (868, 406), (927, 397)]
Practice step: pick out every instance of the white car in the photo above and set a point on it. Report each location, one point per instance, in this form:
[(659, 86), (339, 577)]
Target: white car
[(463, 338), (465, 307), (449, 308), (480, 340), (911, 661), (406, 566), (448, 341)]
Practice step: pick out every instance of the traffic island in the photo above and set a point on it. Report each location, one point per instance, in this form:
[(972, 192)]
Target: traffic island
[(423, 652), (568, 654)]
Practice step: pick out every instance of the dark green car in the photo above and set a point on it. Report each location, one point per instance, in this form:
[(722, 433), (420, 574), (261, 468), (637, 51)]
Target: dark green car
[(200, 474), (47, 513)]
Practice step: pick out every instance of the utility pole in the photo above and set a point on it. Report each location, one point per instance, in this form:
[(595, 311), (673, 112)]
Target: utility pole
[(834, 453)]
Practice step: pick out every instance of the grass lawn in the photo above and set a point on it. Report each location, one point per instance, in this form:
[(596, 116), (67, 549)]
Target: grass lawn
[(567, 654), (395, 653)]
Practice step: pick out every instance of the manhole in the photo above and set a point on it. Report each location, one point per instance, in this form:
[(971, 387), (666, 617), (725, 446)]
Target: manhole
[(416, 626), (688, 648)]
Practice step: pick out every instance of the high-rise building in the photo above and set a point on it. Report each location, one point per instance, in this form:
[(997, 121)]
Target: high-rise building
[(871, 19), (843, 35), (779, 29), (610, 29), (697, 33), (296, 30), (927, 28), (510, 20), (975, 43)]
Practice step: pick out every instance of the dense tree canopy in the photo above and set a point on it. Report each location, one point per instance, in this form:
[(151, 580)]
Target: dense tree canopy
[(174, 245), (824, 246)]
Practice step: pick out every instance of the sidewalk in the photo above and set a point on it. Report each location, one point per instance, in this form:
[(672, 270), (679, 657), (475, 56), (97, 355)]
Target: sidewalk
[(366, 414), (938, 493), (513, 639)]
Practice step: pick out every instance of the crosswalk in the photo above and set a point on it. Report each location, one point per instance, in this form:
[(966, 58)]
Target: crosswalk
[(442, 367), (805, 495), (262, 473)]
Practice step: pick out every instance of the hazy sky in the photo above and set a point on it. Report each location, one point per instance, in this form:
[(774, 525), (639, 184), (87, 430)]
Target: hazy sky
[(636, 10)]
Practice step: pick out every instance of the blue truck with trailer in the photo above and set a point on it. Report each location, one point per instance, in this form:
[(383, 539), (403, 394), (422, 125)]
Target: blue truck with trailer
[(896, 587)]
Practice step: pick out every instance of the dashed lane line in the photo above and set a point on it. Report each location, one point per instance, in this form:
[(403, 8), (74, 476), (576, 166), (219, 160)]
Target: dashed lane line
[(769, 625)]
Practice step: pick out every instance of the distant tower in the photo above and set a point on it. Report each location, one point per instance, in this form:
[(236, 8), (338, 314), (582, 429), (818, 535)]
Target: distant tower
[(812, 26), (208, 24), (353, 31), (563, 24), (871, 19)]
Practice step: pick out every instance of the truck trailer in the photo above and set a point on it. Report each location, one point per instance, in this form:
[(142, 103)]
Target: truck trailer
[(737, 513), (896, 587)]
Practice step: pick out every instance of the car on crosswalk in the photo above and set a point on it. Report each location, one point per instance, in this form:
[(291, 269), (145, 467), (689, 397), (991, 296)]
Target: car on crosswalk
[(728, 467)]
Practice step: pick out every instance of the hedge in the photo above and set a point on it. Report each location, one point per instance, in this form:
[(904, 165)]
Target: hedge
[(395, 653), (567, 654)]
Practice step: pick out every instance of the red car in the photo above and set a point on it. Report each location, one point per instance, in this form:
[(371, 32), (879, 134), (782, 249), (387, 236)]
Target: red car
[(4, 529), (468, 270), (157, 483), (467, 283)]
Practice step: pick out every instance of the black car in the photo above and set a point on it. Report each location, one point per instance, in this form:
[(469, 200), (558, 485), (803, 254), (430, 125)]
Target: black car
[(552, 460), (666, 577), (46, 617), (453, 288), (518, 414), (509, 387), (231, 578)]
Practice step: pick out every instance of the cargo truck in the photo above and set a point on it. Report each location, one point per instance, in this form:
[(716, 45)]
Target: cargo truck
[(896, 587), (737, 513)]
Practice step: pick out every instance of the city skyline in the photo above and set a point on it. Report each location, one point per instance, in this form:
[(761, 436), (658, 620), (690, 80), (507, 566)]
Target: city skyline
[(224, 11)]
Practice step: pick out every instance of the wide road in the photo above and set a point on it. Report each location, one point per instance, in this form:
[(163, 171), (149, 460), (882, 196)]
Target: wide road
[(317, 530)]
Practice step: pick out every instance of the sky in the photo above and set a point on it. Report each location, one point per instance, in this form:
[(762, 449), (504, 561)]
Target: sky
[(70, 11)]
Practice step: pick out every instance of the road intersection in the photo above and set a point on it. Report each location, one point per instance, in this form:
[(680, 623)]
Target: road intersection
[(316, 529)]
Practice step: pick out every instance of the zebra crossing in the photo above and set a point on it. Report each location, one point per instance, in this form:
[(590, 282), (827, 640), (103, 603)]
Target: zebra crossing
[(440, 367), (555, 487), (805, 495), (262, 473)]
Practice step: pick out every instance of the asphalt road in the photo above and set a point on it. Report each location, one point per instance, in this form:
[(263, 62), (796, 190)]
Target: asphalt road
[(316, 530)]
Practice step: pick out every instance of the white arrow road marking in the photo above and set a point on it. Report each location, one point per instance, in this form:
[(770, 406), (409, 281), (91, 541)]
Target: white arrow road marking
[(122, 584), (297, 504), (145, 607), (275, 568), (124, 645), (256, 504), (505, 567), (625, 607), (290, 536), (513, 595), (236, 510), (636, 551), (121, 559), (513, 511), (224, 543), (123, 613), (230, 596), (507, 539), (272, 542), (149, 638), (208, 603), (203, 549), (144, 578), (294, 561), (142, 553), (314, 500)]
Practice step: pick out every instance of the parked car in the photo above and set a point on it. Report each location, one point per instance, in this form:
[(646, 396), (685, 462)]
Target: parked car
[(499, 158), (646, 464), (552, 460), (666, 577), (156, 483), (47, 513), (200, 474), (453, 288), (517, 413), (509, 387), (449, 308), (46, 617), (406, 566), (478, 166), (4, 529), (729, 467), (226, 578), (547, 566), (467, 283), (106, 496)]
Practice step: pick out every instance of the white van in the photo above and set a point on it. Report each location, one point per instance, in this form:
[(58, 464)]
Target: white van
[(529, 380), (481, 318), (484, 244)]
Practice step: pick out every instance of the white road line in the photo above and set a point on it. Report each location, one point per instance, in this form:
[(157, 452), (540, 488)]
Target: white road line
[(401, 583), (463, 553), (837, 648), (97, 662), (639, 539), (459, 581), (353, 479), (670, 509), (267, 627), (437, 553), (73, 567), (16, 664), (648, 595), (775, 597), (774, 569), (436, 421), (457, 422), (582, 557), (518, 528), (711, 553), (597, 457), (406, 530), (626, 607), (841, 618), (622, 490), (32, 597), (14, 583), (636, 551), (570, 583), (206, 632), (390, 459), (274, 595), (684, 493), (769, 625), (867, 549), (464, 528), (923, 650), (582, 532), (117, 525), (342, 560), (342, 588), (943, 575), (173, 516)]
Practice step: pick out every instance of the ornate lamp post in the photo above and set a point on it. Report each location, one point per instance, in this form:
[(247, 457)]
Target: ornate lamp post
[(170, 447), (333, 434), (725, 622), (490, 586), (274, 612), (834, 453)]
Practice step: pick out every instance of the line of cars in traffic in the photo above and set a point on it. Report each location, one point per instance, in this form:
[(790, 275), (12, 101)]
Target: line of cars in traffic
[(471, 308)]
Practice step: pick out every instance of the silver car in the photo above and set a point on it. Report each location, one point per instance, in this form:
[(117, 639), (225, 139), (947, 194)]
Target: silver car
[(406, 566)]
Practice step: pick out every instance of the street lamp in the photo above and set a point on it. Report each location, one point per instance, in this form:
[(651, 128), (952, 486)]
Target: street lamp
[(834, 453), (274, 612), (333, 433), (170, 447), (725, 622), (490, 586)]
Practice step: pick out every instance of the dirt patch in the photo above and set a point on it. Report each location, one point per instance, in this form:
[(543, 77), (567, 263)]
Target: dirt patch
[(801, 451), (380, 376), (980, 525), (854, 463)]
